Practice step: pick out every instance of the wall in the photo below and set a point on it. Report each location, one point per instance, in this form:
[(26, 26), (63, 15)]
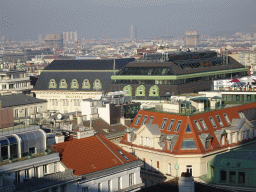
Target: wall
[(6, 118), (42, 107), (104, 113)]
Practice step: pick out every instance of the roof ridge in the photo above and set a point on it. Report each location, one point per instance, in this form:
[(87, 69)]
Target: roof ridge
[(109, 148)]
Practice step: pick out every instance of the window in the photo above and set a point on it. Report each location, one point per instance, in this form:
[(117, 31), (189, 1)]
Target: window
[(97, 84), (144, 120), (85, 189), (32, 150), (99, 187), (131, 179), (140, 92), (223, 176), (204, 125), (189, 169), (177, 126), (119, 183), (198, 126), (169, 168), (188, 129), (213, 122), (157, 165), (147, 141), (45, 169), (137, 120), (188, 144), (223, 139), (151, 120), (241, 114), (26, 112), (163, 124), (169, 146), (226, 118), (207, 144), (233, 138), (36, 172), (16, 113), (170, 125), (27, 173), (86, 83), (55, 167), (241, 177), (232, 176), (219, 120), (17, 177), (109, 185), (154, 91), (74, 83), (141, 140), (247, 134), (63, 83)]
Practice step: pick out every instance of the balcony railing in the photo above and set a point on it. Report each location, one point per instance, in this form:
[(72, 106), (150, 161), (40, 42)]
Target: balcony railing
[(27, 155)]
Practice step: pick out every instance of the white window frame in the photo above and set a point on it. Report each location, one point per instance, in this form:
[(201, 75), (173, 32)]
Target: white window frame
[(129, 137), (45, 169), (109, 185), (74, 84), (151, 120), (99, 187), (197, 125), (213, 122), (131, 179), (27, 173), (219, 120), (189, 168), (223, 140), (163, 123), (232, 138), (16, 112), (119, 183), (144, 120), (137, 120), (177, 128), (169, 128)]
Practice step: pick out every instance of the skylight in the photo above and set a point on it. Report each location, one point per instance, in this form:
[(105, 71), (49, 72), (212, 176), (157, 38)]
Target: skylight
[(163, 124), (226, 117), (123, 155), (144, 120), (198, 126), (213, 122), (188, 129), (219, 120), (137, 120), (188, 144), (170, 125), (151, 120), (177, 126), (204, 125)]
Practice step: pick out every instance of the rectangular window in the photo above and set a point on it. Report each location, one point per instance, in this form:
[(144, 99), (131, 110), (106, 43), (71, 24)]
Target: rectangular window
[(170, 125), (137, 120), (223, 139), (170, 145), (131, 179), (151, 120), (16, 113), (119, 183), (163, 124), (109, 185), (17, 177), (226, 118), (232, 176), (35, 172), (45, 169), (219, 120), (233, 138), (144, 120), (99, 187), (147, 141), (27, 173), (204, 125), (141, 140), (223, 176), (213, 122), (177, 126), (188, 144), (26, 112), (207, 144), (241, 177), (198, 126), (189, 169)]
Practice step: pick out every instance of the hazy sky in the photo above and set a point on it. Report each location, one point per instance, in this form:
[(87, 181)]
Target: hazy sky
[(26, 19)]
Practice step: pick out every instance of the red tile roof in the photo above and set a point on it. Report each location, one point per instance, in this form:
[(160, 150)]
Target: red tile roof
[(231, 112), (91, 154)]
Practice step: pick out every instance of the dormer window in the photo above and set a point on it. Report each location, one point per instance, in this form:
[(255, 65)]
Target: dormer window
[(170, 125), (63, 83), (226, 118), (137, 120), (219, 120), (177, 126), (144, 120), (163, 124), (241, 114), (213, 122), (198, 126), (151, 120)]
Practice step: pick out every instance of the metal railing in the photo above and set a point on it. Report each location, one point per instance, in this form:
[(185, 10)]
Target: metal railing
[(18, 128), (27, 155)]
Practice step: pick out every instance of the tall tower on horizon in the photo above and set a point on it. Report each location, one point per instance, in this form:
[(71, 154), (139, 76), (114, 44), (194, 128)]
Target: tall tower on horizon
[(191, 38), (133, 32)]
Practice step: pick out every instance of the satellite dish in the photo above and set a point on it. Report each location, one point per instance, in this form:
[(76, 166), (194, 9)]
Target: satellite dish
[(59, 116)]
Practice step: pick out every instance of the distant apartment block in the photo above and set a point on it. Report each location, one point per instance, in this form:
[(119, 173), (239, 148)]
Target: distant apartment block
[(53, 40), (191, 38), (70, 36), (133, 32)]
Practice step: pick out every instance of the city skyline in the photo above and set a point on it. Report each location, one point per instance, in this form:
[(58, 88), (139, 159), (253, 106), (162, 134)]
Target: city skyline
[(96, 19)]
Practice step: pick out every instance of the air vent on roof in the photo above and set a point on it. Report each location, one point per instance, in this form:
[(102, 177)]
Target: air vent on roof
[(123, 155)]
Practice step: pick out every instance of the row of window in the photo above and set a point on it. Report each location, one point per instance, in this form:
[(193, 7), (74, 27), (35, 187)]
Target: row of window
[(179, 123), (75, 84), (233, 179), (110, 185), (26, 112), (65, 102)]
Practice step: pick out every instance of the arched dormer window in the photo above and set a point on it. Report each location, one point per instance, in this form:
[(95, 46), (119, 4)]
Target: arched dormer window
[(97, 84), (63, 83), (86, 84), (52, 83), (154, 91), (74, 84), (128, 89), (141, 91)]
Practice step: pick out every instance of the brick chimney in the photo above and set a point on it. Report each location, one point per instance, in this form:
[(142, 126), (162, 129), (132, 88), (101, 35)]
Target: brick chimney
[(186, 183)]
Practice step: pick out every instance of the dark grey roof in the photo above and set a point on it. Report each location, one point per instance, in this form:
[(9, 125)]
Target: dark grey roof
[(88, 64), (18, 99)]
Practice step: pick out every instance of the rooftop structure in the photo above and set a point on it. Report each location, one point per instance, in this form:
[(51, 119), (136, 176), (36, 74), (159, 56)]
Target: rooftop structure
[(191, 38), (53, 40)]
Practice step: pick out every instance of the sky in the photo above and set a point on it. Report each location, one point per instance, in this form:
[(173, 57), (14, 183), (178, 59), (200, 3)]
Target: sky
[(26, 19)]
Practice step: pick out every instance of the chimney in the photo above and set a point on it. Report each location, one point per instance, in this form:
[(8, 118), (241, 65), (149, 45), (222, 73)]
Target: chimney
[(186, 183), (79, 120)]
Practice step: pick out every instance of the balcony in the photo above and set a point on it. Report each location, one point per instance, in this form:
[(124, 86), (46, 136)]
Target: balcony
[(14, 80)]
